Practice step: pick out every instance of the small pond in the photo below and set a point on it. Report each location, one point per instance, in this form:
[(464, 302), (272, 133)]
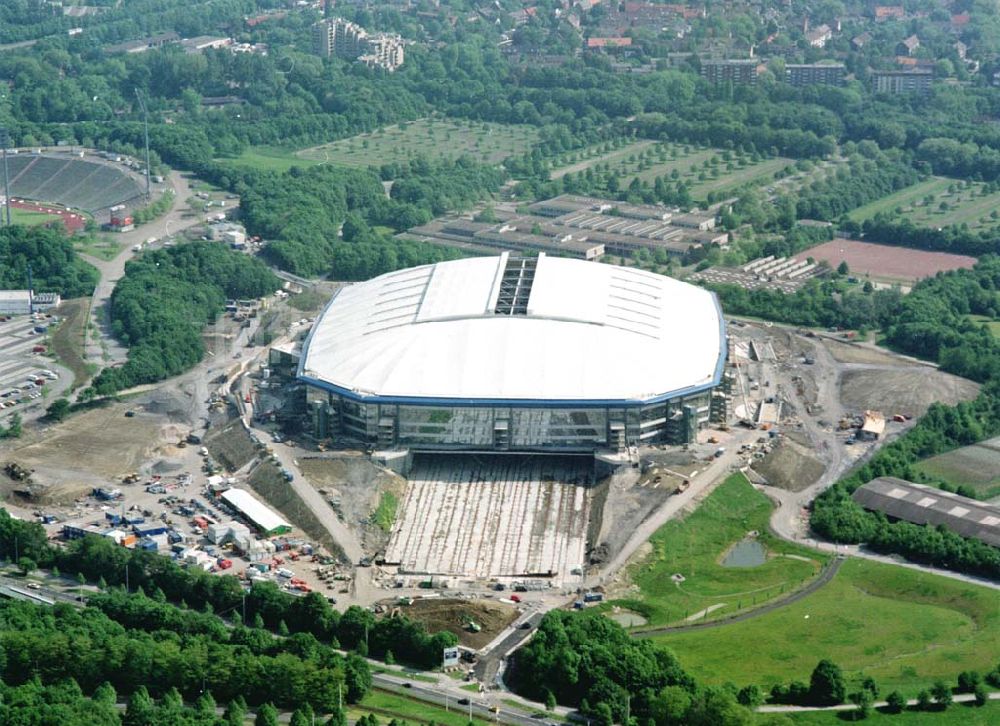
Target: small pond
[(745, 553), (627, 618)]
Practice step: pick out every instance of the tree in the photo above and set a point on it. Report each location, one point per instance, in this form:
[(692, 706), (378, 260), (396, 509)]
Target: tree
[(267, 715), (357, 678), (550, 701), (826, 685), (895, 702), (942, 694), (924, 700), (235, 713), (140, 709), (981, 694), (863, 700), (750, 696), (27, 565), (967, 681), (58, 410), (842, 268)]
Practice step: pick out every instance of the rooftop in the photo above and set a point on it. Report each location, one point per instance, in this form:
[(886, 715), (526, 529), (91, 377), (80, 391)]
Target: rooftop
[(262, 516), (922, 504), (506, 328)]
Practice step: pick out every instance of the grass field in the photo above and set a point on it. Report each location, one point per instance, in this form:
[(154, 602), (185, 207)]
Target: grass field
[(388, 705), (965, 202), (694, 548), (270, 158), (435, 138), (576, 161), (67, 341), (27, 217), (903, 627), (977, 466), (959, 714), (102, 246), (993, 325)]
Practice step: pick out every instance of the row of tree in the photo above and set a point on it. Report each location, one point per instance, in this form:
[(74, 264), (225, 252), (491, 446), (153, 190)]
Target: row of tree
[(264, 605)]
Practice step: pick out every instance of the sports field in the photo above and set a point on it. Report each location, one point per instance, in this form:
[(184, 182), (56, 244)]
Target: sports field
[(903, 627), (939, 202), (977, 466), (489, 143), (695, 547), (886, 262), (27, 217)]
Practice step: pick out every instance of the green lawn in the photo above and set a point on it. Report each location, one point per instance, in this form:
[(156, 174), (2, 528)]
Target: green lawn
[(759, 172), (434, 138), (585, 158), (102, 246), (903, 627), (965, 205), (391, 705), (269, 158), (23, 216), (958, 714), (993, 325), (694, 547), (977, 466)]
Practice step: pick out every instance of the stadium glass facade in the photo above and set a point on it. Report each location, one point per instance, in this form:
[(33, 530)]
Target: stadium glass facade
[(526, 427)]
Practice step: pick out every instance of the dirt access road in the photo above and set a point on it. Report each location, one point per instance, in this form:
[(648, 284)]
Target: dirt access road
[(103, 349)]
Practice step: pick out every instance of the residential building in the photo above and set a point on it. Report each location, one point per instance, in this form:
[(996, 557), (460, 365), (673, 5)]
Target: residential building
[(344, 39), (738, 71), (908, 46), (860, 41), (815, 74), (899, 82), (820, 36)]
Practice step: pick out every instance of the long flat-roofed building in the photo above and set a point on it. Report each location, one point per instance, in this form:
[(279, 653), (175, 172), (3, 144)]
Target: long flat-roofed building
[(921, 504), (515, 353), (261, 516)]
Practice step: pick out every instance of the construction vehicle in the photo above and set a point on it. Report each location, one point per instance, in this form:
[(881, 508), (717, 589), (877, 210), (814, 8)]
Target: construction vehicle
[(130, 478), (17, 472)]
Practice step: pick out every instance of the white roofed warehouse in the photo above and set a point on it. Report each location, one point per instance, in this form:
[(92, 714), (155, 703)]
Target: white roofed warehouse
[(516, 353)]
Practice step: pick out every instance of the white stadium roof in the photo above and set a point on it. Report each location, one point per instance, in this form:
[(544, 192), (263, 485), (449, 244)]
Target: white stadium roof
[(505, 328)]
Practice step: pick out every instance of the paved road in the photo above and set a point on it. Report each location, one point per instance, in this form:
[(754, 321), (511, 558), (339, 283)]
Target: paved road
[(773, 605)]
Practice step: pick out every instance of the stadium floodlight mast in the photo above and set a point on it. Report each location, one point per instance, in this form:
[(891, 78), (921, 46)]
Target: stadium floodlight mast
[(5, 142), (145, 128)]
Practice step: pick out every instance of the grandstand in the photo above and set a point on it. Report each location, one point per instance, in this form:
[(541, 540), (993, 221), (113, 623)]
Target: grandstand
[(71, 182)]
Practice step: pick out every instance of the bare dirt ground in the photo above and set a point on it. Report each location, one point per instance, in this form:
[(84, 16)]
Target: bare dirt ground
[(908, 391), (854, 353), (455, 616), (91, 449), (353, 485), (790, 465)]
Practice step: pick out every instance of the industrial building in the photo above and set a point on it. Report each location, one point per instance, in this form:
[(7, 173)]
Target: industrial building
[(511, 353), (258, 514), (903, 500), (25, 302), (585, 228)]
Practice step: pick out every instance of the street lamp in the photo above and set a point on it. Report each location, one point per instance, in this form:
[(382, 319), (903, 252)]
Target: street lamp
[(5, 142)]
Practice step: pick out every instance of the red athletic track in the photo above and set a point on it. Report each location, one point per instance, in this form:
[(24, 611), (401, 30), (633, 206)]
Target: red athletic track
[(74, 222)]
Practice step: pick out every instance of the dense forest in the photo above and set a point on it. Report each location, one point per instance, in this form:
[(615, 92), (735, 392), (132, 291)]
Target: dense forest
[(55, 267), (591, 663), (165, 298)]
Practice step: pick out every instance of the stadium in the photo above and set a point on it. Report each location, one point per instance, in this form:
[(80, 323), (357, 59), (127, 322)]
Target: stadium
[(69, 180), (521, 354)]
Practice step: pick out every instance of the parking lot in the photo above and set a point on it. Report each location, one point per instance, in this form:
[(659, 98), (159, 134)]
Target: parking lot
[(27, 376)]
